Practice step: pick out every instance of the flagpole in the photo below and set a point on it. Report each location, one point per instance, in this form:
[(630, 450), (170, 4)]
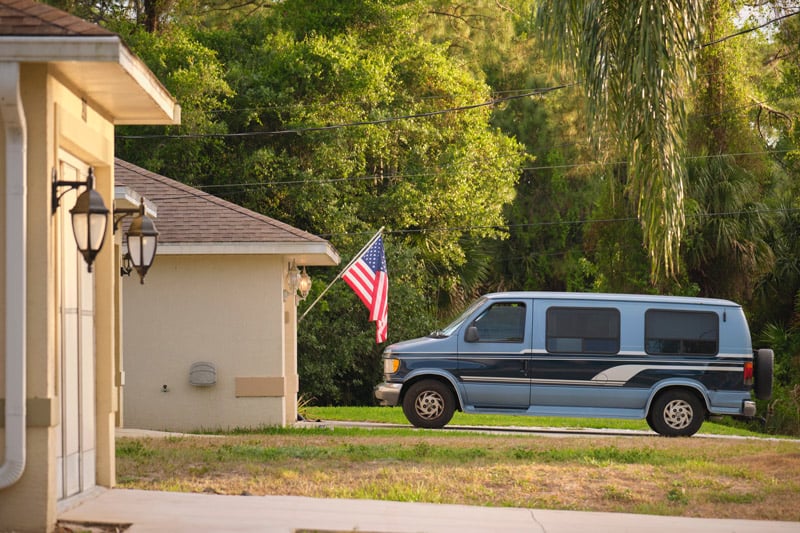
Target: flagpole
[(339, 275)]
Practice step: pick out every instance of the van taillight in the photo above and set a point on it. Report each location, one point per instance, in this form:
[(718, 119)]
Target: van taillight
[(748, 373)]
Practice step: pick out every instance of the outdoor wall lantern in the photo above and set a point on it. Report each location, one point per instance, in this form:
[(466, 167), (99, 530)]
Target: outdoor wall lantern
[(89, 216), (298, 282), (141, 240)]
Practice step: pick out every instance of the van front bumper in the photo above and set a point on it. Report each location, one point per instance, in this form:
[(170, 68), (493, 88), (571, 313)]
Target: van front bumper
[(388, 393)]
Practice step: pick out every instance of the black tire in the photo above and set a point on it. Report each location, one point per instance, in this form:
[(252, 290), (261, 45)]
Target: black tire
[(676, 413), (762, 373), (649, 419), (429, 404)]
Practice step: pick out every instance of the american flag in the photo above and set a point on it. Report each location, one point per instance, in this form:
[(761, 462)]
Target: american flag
[(368, 278)]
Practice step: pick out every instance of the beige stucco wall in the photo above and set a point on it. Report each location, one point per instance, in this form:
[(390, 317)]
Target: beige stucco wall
[(56, 119), (227, 310)]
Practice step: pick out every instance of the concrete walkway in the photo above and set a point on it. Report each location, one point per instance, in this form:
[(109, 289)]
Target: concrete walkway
[(174, 512)]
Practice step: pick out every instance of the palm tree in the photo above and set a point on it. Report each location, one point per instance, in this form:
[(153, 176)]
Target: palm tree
[(635, 59), (725, 250)]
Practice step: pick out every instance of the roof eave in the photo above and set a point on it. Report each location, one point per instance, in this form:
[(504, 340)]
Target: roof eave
[(146, 100)]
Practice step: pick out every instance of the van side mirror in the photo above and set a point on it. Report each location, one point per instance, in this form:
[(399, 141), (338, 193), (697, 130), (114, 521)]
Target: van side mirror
[(472, 334)]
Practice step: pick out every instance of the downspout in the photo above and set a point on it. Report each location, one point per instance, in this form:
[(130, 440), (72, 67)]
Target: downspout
[(14, 126)]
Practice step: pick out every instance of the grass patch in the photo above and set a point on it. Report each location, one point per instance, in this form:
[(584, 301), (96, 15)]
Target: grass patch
[(688, 477), (394, 415)]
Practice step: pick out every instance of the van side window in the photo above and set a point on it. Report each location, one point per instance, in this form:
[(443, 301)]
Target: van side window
[(502, 322), (582, 330), (681, 332)]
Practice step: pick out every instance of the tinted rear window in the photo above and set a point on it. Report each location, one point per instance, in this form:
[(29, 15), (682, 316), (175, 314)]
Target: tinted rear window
[(681, 332), (582, 330)]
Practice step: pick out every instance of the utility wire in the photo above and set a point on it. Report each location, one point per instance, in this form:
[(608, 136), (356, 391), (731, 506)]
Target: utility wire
[(491, 102), (261, 184), (748, 30), (450, 229), (310, 129)]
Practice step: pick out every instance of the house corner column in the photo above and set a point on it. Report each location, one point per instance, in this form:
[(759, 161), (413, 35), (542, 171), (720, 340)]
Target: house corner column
[(106, 346)]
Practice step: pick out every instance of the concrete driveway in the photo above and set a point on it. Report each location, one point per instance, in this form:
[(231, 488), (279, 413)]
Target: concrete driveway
[(153, 511)]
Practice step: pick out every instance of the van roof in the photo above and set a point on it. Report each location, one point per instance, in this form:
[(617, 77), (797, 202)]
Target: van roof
[(607, 297)]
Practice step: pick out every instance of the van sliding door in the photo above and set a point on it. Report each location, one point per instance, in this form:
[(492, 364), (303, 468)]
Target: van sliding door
[(580, 344)]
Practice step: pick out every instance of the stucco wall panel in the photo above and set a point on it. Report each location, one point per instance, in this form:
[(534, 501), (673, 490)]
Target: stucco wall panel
[(30, 504), (222, 309)]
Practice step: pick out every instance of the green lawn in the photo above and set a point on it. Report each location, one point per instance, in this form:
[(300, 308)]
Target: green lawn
[(394, 415)]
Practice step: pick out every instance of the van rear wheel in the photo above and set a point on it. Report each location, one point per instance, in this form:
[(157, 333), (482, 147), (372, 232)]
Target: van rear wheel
[(429, 404), (676, 413)]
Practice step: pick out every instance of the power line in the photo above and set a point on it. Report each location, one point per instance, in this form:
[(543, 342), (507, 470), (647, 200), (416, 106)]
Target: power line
[(748, 30), (310, 129), (494, 101), (261, 184), (461, 229), (688, 157)]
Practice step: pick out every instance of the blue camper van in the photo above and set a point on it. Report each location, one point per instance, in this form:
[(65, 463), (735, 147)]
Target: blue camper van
[(673, 361)]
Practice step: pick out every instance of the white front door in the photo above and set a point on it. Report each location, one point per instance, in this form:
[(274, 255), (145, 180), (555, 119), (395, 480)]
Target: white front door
[(76, 445)]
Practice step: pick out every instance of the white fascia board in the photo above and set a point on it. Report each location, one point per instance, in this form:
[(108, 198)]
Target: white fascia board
[(319, 253), (54, 49), (127, 198), (147, 80)]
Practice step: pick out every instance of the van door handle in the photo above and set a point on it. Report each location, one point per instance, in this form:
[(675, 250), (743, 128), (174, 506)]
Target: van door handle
[(524, 366)]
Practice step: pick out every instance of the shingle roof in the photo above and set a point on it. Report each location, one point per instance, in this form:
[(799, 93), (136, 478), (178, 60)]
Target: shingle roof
[(28, 18), (190, 216)]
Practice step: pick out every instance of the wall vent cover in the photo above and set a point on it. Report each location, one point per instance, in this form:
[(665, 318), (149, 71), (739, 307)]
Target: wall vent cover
[(202, 374)]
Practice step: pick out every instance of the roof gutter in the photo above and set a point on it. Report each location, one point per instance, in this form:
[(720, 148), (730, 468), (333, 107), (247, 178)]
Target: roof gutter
[(15, 129)]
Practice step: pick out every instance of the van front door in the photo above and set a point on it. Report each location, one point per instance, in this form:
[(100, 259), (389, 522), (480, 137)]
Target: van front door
[(494, 356)]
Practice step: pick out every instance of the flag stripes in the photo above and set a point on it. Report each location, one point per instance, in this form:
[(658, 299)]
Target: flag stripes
[(369, 279)]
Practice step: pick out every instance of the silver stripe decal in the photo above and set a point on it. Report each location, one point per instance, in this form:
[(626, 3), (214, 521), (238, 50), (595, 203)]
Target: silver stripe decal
[(573, 382), (638, 354), (624, 373), (735, 355), (475, 379), (562, 355)]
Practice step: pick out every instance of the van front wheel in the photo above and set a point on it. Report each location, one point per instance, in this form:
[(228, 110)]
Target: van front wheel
[(676, 413), (429, 404)]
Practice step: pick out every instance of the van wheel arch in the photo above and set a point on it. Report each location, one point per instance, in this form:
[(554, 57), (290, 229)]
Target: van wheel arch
[(407, 385), (677, 411)]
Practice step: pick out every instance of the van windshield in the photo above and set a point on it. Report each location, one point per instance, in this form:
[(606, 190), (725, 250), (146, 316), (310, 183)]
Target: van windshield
[(454, 325)]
